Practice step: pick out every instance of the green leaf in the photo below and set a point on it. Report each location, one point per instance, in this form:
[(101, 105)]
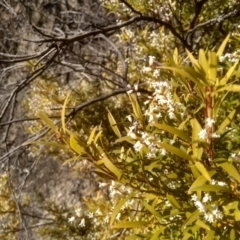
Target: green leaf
[(118, 208), (48, 121), (225, 79), (196, 128), (126, 224), (227, 121), (156, 234), (174, 131), (192, 218), (199, 182), (64, 112), (75, 146), (136, 108), (203, 60), (211, 188), (92, 135), (176, 151), (237, 215), (201, 168), (202, 224), (196, 65), (213, 64), (223, 45), (210, 235), (231, 170), (230, 88), (151, 210), (113, 124), (173, 201), (110, 166)]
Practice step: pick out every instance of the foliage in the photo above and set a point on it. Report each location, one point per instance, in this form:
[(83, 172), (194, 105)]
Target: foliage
[(168, 153)]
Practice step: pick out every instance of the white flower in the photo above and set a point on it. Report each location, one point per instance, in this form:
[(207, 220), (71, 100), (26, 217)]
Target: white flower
[(151, 60), (98, 212), (200, 206), (90, 215), (209, 217), (206, 198), (102, 184), (210, 122), (71, 219), (202, 134), (194, 197), (138, 146), (82, 223), (78, 212)]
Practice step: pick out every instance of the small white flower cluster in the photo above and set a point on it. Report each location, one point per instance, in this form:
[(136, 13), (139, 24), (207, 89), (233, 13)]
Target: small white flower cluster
[(231, 57), (210, 211), (206, 132)]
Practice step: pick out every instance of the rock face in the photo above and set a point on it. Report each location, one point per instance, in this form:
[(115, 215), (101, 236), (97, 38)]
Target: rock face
[(42, 181)]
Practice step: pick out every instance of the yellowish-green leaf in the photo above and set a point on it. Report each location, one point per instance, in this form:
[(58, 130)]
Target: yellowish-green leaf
[(228, 75), (174, 131), (156, 234), (213, 64), (230, 88), (175, 56), (202, 224), (151, 210), (75, 146), (201, 168), (196, 128), (237, 215), (203, 61), (199, 181), (63, 113), (192, 218), (226, 121), (48, 121), (110, 166), (211, 188), (196, 65), (113, 123), (176, 151), (118, 208), (231, 170), (173, 201), (136, 108), (223, 45), (92, 135), (134, 224), (210, 235)]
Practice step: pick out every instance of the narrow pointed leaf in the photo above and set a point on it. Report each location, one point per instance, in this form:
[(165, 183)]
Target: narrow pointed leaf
[(211, 188), (113, 124), (228, 75), (118, 208), (174, 131), (203, 61), (192, 218), (230, 87), (176, 151), (226, 121), (92, 135), (110, 166), (63, 113), (48, 121), (126, 224), (223, 45), (151, 210), (75, 146), (173, 201), (201, 168), (231, 170), (202, 224)]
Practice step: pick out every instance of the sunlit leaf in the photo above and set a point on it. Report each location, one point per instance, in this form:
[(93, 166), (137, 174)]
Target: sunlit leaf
[(201, 168), (151, 210), (48, 121), (117, 208), (75, 146), (223, 45), (211, 188), (228, 75), (173, 201), (113, 124), (202, 224), (230, 87), (196, 128), (173, 130), (109, 165), (92, 135), (176, 151), (226, 121), (63, 113), (192, 218), (231, 170), (203, 61), (134, 224), (213, 64)]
